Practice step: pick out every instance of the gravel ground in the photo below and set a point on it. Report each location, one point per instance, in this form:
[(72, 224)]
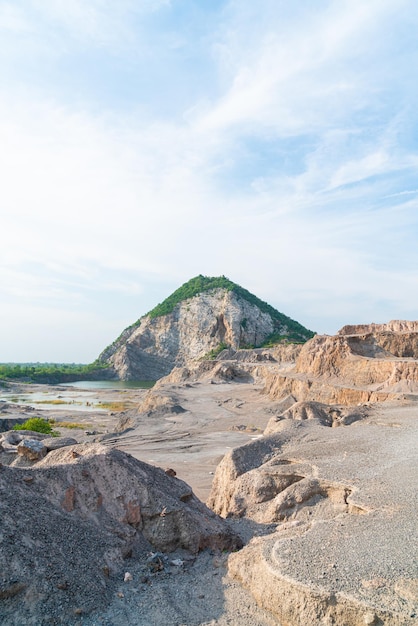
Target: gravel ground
[(198, 592)]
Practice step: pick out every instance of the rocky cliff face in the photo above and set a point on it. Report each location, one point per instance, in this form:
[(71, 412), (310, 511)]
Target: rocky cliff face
[(368, 363), (195, 326), (395, 326)]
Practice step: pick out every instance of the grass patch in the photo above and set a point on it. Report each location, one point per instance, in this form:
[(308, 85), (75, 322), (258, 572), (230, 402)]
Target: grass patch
[(115, 406), (52, 402), (74, 425), (212, 354)]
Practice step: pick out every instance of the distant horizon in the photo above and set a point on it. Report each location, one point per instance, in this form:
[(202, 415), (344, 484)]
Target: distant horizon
[(145, 143), (120, 330)]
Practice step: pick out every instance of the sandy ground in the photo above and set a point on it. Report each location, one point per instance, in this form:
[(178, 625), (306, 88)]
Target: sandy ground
[(216, 418)]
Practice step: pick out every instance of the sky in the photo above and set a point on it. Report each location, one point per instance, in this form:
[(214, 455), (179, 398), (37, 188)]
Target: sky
[(144, 142)]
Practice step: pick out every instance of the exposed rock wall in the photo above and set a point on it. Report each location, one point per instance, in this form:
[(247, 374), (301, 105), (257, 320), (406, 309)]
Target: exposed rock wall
[(304, 389), (395, 326), (353, 366), (195, 326)]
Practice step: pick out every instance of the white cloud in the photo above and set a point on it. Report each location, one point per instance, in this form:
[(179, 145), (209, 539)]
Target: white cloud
[(113, 205), (13, 19), (102, 22), (310, 75)]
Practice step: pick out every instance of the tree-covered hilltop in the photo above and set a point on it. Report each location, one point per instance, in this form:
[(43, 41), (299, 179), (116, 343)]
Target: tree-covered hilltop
[(200, 284), (52, 373), (285, 329)]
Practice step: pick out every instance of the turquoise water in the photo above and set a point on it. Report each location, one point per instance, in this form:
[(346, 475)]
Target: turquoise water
[(110, 384)]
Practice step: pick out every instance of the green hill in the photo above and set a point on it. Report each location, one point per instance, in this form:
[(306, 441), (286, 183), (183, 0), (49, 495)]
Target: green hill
[(200, 284)]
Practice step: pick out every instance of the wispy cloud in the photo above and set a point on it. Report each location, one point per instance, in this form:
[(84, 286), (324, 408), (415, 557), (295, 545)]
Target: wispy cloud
[(281, 155)]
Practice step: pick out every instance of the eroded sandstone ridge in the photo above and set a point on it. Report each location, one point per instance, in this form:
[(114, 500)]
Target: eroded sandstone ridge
[(359, 364), (201, 316)]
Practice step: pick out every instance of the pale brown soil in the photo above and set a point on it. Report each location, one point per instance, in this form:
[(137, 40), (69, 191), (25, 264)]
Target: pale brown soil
[(216, 418), (200, 592)]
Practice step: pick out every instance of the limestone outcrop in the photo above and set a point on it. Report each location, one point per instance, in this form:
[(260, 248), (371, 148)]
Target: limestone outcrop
[(195, 326), (394, 326)]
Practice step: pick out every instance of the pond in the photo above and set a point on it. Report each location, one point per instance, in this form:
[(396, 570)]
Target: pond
[(82, 395), (110, 384)]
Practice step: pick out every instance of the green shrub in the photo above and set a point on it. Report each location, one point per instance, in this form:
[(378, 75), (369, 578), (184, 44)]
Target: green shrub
[(212, 354), (38, 424)]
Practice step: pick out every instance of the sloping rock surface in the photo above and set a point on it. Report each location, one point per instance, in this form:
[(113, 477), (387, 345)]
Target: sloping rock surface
[(342, 503), (68, 522)]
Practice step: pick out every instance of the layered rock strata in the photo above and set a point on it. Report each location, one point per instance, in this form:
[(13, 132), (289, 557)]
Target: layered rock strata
[(370, 364)]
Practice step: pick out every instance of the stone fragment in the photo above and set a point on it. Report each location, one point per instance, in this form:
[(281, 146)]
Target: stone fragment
[(407, 589), (32, 449), (68, 500), (133, 513), (53, 443), (10, 590), (156, 562), (62, 585), (9, 422)]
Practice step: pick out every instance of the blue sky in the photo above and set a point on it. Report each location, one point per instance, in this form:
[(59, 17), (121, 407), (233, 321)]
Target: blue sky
[(144, 142)]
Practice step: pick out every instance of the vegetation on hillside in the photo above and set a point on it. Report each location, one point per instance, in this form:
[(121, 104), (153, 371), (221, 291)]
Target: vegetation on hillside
[(200, 284), (276, 338), (212, 354), (51, 373), (192, 288), (296, 332)]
